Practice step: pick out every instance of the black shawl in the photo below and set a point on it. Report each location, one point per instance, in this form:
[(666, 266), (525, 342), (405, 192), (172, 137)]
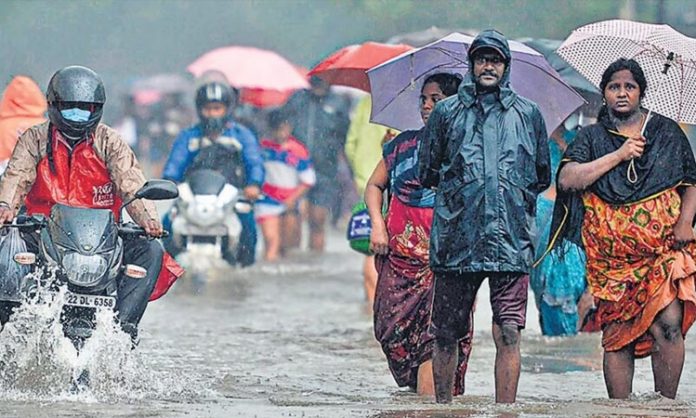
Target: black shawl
[(667, 162)]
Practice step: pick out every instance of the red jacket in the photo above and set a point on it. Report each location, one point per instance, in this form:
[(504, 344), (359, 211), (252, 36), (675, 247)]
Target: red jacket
[(82, 179)]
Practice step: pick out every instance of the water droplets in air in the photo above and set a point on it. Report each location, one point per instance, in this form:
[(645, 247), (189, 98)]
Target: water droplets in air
[(37, 362)]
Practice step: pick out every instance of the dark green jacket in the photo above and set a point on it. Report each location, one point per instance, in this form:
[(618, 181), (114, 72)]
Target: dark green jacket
[(488, 170)]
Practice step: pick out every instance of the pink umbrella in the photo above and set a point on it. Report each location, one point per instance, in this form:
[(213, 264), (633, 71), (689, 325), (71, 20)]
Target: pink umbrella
[(253, 68)]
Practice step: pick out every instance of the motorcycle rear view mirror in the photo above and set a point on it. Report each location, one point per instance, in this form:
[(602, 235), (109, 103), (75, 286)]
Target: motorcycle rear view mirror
[(154, 190), (158, 190)]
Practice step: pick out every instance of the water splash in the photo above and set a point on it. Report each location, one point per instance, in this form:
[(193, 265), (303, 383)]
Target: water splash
[(37, 362)]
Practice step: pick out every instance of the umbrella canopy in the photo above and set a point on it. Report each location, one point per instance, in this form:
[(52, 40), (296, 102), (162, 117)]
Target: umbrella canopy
[(267, 98), (264, 98), (254, 68), (667, 58), (397, 83), (569, 74), (347, 66)]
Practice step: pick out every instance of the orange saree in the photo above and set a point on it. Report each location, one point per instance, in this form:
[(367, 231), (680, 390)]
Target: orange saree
[(631, 269)]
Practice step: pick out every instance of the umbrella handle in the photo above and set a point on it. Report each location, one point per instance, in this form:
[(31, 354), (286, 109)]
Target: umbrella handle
[(631, 173), (645, 122)]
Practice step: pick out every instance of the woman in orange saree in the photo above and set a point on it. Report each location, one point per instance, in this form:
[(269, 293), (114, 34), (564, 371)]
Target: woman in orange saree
[(629, 198)]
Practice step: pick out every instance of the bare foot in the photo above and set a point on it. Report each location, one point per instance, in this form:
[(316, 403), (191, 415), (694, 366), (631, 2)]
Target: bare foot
[(426, 384)]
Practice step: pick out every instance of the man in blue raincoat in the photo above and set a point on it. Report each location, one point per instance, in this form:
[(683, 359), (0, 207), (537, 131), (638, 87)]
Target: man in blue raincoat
[(220, 143), (486, 152)]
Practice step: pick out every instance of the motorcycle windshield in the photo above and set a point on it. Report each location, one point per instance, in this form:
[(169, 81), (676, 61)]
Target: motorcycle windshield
[(206, 182), (87, 231)]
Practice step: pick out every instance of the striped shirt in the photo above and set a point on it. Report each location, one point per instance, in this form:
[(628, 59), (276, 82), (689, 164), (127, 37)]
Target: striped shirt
[(287, 167)]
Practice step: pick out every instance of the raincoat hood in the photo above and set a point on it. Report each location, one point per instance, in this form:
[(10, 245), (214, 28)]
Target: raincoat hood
[(22, 106), (22, 98), (489, 38)]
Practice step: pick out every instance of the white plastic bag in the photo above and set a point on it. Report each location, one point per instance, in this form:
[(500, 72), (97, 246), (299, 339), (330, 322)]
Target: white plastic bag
[(11, 272)]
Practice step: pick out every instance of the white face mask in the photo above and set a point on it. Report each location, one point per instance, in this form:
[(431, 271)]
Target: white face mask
[(76, 114)]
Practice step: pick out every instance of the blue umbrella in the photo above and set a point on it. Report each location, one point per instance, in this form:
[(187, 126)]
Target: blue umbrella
[(395, 84)]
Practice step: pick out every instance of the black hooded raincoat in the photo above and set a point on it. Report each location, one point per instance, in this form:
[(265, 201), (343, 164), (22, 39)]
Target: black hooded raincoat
[(488, 169)]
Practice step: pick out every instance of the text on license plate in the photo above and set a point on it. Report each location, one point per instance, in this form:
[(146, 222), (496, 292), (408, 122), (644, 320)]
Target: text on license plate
[(90, 301)]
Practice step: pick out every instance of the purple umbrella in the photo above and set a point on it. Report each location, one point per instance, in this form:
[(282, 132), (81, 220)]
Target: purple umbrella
[(395, 84)]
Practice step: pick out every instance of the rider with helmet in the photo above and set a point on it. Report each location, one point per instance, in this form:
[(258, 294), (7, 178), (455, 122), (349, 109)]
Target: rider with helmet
[(221, 144), (74, 160)]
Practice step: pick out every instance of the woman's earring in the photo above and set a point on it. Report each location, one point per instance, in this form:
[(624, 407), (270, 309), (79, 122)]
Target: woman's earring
[(604, 102)]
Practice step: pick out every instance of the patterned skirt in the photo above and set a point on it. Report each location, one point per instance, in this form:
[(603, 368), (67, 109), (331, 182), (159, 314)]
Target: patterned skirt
[(632, 272), (404, 296)]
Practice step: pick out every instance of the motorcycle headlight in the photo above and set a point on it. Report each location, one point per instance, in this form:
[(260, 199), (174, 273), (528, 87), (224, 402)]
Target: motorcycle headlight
[(204, 211), (84, 270)]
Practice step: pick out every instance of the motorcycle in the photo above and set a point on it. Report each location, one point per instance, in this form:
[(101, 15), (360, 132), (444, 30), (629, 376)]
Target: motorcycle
[(205, 225), (79, 257)]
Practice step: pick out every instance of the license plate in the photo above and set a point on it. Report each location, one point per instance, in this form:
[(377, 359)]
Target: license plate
[(90, 301)]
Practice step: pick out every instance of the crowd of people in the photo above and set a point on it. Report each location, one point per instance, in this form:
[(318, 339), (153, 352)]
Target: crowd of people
[(462, 196), (598, 220)]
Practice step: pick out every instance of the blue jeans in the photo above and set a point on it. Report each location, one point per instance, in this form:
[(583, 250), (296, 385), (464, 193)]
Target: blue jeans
[(246, 251)]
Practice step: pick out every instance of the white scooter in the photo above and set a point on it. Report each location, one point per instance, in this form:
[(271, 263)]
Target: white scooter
[(205, 225)]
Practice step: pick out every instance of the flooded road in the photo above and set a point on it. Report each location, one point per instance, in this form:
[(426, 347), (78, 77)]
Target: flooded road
[(295, 339)]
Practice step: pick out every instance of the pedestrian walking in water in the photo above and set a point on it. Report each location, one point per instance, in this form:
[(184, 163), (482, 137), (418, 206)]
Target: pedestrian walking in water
[(485, 151), (319, 121), (629, 197), (364, 151), (289, 174), (404, 292), (558, 277)]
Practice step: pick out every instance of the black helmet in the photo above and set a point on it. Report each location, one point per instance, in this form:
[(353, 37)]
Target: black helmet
[(75, 87), (214, 92)]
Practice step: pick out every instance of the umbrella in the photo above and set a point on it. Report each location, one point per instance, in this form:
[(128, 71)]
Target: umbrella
[(667, 57), (263, 98), (347, 66), (569, 74), (254, 68), (397, 83)]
